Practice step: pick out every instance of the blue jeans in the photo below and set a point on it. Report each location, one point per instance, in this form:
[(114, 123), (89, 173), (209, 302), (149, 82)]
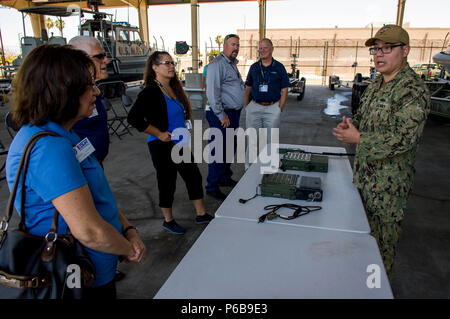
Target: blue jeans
[(220, 172)]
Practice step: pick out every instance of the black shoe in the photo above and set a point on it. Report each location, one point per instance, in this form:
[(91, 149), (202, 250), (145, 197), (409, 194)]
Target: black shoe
[(204, 219), (228, 183), (119, 275), (173, 227), (217, 194)]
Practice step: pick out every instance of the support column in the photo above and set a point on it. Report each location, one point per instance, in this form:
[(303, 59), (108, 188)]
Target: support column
[(325, 64), (194, 30), (38, 24), (400, 12), (143, 21), (262, 19)]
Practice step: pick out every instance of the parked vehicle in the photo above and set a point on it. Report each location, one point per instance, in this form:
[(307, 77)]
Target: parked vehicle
[(440, 87), (297, 84), (427, 71), (121, 41), (358, 85)]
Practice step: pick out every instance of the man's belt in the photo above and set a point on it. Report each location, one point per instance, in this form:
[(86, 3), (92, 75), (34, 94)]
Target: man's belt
[(265, 103)]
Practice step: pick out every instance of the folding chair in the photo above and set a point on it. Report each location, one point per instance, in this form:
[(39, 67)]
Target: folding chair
[(126, 102), (11, 126), (113, 92), (3, 151), (12, 129)]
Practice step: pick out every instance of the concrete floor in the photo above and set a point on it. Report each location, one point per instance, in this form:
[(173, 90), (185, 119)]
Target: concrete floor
[(422, 268)]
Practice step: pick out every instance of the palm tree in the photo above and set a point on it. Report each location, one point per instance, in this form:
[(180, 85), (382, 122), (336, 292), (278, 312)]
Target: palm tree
[(213, 52), (60, 24), (219, 41), (49, 23)]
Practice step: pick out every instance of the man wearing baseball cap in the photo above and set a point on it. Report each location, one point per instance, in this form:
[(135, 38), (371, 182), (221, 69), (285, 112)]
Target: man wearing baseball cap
[(386, 130)]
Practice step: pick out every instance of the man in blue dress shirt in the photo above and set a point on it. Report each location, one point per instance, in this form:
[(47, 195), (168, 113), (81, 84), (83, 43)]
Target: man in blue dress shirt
[(225, 93)]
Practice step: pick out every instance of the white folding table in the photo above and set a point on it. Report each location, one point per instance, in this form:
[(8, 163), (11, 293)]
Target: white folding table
[(242, 259), (342, 208)]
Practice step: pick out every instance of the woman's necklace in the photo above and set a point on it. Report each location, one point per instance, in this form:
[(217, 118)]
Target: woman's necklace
[(165, 90)]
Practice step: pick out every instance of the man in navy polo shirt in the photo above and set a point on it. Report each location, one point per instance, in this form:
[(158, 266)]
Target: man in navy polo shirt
[(95, 127), (266, 90)]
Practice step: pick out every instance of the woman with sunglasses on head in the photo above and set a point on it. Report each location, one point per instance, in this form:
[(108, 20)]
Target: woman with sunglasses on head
[(53, 89), (161, 108)]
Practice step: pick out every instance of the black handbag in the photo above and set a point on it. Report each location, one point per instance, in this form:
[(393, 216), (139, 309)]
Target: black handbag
[(34, 267)]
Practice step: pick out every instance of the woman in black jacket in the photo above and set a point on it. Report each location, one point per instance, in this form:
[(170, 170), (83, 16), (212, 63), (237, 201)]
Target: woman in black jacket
[(160, 108)]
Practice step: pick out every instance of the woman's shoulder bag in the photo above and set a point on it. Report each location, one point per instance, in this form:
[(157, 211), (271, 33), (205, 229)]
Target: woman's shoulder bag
[(33, 267)]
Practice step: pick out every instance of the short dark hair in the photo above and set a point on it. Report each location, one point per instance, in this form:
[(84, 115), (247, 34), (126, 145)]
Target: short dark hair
[(268, 40), (231, 35), (49, 84)]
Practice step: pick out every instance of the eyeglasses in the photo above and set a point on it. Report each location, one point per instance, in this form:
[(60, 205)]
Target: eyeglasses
[(99, 56), (385, 49), (168, 62)]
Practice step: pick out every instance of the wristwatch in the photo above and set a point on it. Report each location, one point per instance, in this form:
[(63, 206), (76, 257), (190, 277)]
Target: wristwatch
[(128, 228)]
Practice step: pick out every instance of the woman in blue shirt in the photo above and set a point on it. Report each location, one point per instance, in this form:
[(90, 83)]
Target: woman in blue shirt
[(53, 89), (161, 108)]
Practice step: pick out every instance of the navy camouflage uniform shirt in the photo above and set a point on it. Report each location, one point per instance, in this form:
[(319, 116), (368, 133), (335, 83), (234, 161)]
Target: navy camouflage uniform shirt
[(391, 119)]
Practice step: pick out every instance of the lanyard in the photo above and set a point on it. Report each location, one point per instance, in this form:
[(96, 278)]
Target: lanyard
[(170, 97), (262, 73)]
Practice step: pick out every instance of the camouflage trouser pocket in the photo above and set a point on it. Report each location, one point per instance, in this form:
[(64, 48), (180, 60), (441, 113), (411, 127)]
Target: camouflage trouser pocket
[(387, 206), (387, 236), (385, 213)]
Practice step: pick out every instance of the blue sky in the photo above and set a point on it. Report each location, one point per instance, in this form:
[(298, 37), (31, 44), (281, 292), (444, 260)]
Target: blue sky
[(172, 22)]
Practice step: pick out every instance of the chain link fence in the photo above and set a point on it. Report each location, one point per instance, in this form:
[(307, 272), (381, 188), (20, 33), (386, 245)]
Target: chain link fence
[(319, 59)]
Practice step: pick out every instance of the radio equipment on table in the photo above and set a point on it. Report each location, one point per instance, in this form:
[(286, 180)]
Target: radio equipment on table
[(298, 159), (290, 186), (304, 162)]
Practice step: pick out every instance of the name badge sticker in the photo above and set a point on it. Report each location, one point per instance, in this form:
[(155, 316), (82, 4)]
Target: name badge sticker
[(263, 88), (83, 149), (188, 124)]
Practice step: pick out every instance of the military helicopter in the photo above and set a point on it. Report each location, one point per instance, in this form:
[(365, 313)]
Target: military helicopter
[(121, 41)]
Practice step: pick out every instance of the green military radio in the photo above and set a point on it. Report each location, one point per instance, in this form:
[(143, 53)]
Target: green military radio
[(296, 160), (292, 186)]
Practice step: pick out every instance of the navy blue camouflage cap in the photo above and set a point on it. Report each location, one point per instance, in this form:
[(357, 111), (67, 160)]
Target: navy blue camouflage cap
[(390, 33)]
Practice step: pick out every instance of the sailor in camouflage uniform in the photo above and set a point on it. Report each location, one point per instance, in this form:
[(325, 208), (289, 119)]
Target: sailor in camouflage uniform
[(387, 129)]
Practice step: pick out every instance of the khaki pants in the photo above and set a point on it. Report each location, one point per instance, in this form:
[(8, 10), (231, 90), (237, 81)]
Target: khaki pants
[(258, 116)]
